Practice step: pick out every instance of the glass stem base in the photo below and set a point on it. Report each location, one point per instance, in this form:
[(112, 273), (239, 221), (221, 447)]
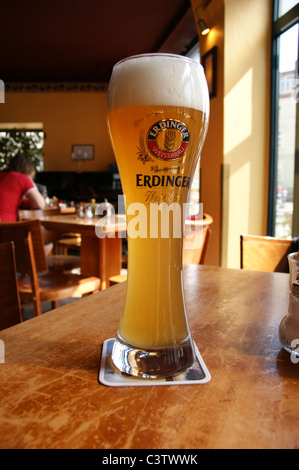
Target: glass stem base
[(152, 363)]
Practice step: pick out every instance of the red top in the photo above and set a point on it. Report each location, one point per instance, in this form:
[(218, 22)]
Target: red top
[(13, 186)]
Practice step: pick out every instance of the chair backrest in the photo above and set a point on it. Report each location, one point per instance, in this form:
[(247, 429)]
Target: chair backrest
[(260, 253), (25, 260), (10, 310), (7, 233), (196, 240), (49, 236), (195, 251)]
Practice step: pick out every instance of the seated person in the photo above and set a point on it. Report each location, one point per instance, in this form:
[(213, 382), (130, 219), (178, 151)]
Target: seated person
[(15, 184)]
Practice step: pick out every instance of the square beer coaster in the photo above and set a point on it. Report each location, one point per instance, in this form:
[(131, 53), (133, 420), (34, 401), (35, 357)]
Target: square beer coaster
[(110, 376)]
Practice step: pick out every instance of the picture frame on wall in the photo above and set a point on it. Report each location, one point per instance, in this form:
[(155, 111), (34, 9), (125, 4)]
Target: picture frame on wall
[(82, 152), (209, 63)]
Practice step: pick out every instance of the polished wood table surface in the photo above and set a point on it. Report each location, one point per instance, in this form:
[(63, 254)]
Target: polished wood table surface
[(51, 397), (100, 257)]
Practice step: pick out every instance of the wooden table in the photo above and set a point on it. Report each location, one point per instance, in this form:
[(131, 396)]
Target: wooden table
[(51, 398), (99, 256)]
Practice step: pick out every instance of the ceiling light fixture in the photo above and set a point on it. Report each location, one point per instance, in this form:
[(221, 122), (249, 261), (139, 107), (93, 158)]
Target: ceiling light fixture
[(204, 29)]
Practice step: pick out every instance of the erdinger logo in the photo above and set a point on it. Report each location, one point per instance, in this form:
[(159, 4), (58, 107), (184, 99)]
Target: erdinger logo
[(168, 139)]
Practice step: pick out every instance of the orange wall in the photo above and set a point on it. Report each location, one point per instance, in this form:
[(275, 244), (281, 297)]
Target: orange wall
[(68, 118), (235, 157), (212, 154), (246, 122)]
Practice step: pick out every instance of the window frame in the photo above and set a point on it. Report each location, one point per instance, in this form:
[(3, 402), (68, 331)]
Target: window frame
[(279, 26)]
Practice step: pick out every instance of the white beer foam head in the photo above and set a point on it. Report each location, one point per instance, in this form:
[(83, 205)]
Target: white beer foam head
[(158, 79)]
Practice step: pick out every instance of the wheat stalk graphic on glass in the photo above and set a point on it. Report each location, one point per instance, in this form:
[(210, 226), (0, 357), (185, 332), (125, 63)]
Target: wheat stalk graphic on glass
[(142, 152), (169, 139)]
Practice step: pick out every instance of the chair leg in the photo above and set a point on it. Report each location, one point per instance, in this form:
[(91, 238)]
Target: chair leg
[(55, 304), (37, 308)]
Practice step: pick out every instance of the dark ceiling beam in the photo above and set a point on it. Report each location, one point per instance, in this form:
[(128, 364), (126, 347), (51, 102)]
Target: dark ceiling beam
[(176, 20)]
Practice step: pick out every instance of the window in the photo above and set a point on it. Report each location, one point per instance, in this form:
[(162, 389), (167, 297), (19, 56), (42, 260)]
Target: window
[(284, 6), (283, 220), (27, 138)]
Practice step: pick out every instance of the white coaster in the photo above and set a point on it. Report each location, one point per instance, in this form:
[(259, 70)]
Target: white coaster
[(110, 376)]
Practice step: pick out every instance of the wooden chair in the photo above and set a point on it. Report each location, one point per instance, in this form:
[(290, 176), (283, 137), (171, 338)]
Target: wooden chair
[(10, 308), (197, 252), (260, 253), (196, 240), (36, 283), (69, 243), (56, 261)]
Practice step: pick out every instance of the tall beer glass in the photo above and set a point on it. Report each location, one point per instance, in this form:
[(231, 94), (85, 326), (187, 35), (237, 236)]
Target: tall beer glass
[(158, 111)]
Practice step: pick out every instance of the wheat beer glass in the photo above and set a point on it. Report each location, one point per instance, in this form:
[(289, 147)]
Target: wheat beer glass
[(158, 111)]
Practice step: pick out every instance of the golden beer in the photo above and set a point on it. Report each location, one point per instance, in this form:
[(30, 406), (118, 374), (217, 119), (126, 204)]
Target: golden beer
[(157, 118)]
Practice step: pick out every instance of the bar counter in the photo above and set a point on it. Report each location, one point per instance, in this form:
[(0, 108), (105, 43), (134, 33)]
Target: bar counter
[(51, 396)]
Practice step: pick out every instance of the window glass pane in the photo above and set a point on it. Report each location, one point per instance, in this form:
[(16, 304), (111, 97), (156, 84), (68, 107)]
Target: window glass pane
[(26, 141), (285, 5), (194, 53), (288, 52)]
